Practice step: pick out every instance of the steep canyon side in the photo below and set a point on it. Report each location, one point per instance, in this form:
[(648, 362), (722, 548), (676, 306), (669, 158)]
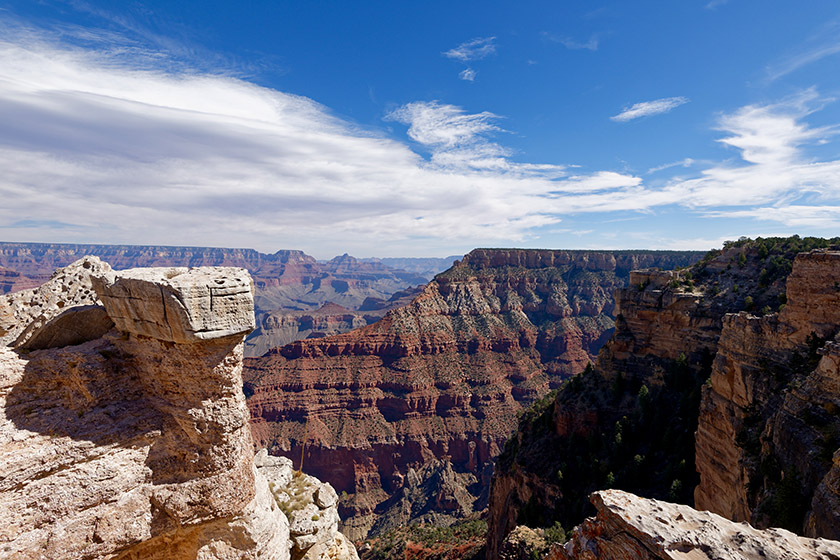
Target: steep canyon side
[(733, 349), (296, 296), (406, 415)]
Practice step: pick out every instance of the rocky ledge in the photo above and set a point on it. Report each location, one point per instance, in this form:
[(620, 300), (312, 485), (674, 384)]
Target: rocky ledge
[(133, 442), (627, 526)]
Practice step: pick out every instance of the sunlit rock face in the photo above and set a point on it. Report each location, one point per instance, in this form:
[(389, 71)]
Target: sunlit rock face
[(426, 397), (627, 526), (769, 428), (134, 444)]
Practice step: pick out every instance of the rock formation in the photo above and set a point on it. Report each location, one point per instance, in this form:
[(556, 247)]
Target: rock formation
[(34, 318), (766, 434), (278, 328), (135, 443), (439, 380), (769, 424), (290, 285), (627, 526), (13, 281)]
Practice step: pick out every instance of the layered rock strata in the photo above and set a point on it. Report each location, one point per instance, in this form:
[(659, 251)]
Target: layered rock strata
[(627, 526), (291, 286), (441, 379), (14, 281), (281, 327), (769, 424), (630, 421), (135, 444)]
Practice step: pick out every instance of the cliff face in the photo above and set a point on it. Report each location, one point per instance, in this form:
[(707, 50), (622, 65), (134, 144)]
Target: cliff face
[(13, 281), (278, 328), (441, 379), (630, 421), (134, 442), (769, 424), (291, 286)]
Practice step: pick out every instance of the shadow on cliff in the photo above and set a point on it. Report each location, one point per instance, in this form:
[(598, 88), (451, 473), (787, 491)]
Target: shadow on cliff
[(88, 392)]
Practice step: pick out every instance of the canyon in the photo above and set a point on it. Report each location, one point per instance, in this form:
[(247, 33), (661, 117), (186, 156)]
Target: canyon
[(405, 417), (129, 415), (124, 430), (296, 296), (718, 389)]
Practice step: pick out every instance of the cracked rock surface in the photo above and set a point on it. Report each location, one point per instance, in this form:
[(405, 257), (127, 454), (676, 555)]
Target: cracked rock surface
[(178, 304), (134, 444), (627, 526)]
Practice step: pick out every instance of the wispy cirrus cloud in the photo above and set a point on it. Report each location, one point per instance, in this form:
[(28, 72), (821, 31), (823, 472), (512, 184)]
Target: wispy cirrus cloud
[(772, 141), (474, 49), (795, 216), (686, 162), (649, 108), (716, 3), (822, 44), (591, 44)]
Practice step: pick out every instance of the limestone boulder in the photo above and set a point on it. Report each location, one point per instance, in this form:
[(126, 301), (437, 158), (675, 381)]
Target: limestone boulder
[(25, 315), (182, 305), (311, 507), (627, 526)]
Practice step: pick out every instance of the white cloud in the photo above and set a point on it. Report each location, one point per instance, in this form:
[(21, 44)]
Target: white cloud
[(474, 49), (824, 43), (794, 216), (771, 140), (468, 74), (648, 108), (94, 150), (574, 44), (715, 3), (686, 162)]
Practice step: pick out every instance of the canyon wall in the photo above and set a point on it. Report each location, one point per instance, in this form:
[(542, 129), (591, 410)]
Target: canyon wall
[(292, 287), (124, 431), (630, 421), (769, 425), (406, 415)]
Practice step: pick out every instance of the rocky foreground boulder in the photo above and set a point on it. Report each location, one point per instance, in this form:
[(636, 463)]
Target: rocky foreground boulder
[(133, 442), (627, 526)]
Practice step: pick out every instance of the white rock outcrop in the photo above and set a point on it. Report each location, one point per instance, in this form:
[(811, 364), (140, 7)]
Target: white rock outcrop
[(629, 527), (136, 444), (23, 315), (311, 507), (182, 305)]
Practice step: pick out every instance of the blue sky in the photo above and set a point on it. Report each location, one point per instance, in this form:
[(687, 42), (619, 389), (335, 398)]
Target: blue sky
[(418, 128)]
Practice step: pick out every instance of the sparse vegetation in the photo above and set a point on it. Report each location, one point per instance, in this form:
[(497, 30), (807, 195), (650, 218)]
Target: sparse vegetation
[(462, 541)]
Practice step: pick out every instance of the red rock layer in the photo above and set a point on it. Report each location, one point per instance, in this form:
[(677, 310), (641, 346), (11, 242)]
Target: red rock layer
[(443, 377), (13, 281), (767, 445)]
